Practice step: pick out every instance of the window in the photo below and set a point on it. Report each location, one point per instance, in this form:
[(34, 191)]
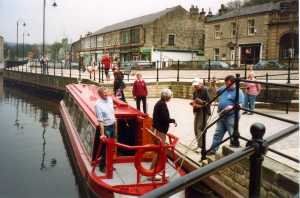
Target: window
[(99, 41), (125, 37), (217, 31), (233, 29), (216, 54), (171, 40), (251, 27), (135, 36)]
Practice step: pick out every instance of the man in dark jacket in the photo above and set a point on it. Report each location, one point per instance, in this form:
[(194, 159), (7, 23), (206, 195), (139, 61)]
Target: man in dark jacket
[(201, 111)]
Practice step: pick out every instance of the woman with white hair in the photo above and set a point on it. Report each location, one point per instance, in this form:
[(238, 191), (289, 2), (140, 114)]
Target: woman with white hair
[(161, 119)]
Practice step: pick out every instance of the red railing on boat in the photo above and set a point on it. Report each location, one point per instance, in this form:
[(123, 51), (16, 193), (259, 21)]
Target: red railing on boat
[(161, 150)]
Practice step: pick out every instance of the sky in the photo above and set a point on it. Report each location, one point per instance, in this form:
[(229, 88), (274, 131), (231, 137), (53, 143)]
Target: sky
[(72, 18)]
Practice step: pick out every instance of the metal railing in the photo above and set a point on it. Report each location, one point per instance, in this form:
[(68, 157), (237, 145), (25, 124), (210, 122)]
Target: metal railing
[(255, 148), (167, 70)]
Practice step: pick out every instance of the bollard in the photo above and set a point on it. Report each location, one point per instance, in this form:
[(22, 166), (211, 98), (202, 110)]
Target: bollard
[(208, 78), (70, 70), (289, 71), (79, 71), (99, 67), (54, 66), (235, 139), (257, 131), (178, 71), (245, 72), (61, 69), (102, 74), (157, 76), (267, 87)]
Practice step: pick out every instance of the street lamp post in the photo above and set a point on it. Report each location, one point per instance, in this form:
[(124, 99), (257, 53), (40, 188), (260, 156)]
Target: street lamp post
[(24, 34), (17, 47), (43, 47)]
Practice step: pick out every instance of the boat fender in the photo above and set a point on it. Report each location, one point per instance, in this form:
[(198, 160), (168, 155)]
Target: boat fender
[(160, 164)]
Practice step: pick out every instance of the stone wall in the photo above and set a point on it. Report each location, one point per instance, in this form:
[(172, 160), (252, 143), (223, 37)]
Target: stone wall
[(278, 180), (261, 35), (188, 30)]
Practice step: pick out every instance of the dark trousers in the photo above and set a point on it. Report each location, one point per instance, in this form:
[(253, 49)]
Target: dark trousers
[(138, 103)]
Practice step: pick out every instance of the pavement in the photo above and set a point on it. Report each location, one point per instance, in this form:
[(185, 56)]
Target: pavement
[(181, 111)]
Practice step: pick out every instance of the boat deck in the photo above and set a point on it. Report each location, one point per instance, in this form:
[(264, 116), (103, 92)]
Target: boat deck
[(125, 173)]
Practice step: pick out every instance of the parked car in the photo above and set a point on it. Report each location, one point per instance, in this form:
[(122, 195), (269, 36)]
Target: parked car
[(216, 65), (140, 64), (269, 64)]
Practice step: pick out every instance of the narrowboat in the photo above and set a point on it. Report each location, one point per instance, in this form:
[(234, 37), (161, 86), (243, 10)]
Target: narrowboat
[(128, 156)]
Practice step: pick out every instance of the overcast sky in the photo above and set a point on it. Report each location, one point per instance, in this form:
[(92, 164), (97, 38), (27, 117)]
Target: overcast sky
[(71, 18)]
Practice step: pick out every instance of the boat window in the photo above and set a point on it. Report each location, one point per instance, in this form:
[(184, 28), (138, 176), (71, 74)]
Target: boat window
[(84, 128)]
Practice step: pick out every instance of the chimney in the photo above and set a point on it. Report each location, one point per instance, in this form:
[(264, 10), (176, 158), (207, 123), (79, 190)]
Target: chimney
[(202, 14), (222, 10), (194, 10), (209, 14)]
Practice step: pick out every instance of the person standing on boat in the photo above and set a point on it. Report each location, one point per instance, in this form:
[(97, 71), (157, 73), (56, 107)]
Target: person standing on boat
[(161, 119), (201, 112), (140, 92), (225, 109), (107, 122)]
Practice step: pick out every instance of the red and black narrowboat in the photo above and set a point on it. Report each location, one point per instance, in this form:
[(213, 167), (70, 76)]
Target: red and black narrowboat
[(128, 157)]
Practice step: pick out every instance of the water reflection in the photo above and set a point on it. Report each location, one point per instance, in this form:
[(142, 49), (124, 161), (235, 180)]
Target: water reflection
[(31, 145)]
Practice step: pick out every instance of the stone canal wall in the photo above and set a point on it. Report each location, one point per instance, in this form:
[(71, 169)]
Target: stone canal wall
[(278, 180)]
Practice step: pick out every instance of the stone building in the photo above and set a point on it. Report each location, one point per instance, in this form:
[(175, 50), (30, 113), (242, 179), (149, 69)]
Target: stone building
[(169, 35), (1, 52), (250, 34)]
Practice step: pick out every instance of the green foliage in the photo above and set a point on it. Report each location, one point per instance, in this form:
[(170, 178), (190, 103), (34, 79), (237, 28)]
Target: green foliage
[(54, 49), (257, 2)]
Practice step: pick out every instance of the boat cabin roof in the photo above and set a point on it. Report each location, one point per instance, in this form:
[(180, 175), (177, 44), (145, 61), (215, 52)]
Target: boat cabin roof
[(86, 96)]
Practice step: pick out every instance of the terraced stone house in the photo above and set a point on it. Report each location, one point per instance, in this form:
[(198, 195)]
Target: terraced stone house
[(250, 34), (169, 35)]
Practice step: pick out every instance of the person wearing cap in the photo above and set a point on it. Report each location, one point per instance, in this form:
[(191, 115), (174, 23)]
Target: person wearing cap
[(225, 109), (201, 111), (161, 119)]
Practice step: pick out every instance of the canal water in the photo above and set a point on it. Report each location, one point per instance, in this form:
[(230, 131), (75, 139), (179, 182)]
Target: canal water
[(34, 160)]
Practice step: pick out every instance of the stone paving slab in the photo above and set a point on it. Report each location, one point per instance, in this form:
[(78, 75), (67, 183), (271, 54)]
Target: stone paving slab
[(181, 111)]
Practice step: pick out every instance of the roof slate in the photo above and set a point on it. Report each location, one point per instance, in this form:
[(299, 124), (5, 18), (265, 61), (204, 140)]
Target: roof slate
[(267, 7), (136, 21)]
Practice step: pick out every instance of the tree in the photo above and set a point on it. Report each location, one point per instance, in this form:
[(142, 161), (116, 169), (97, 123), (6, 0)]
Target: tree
[(234, 4), (54, 50)]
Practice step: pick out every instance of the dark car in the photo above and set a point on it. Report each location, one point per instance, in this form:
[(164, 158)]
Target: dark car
[(216, 65), (269, 64)]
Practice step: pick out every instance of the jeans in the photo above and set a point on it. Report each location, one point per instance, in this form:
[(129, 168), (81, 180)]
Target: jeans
[(109, 132), (223, 125), (249, 102), (138, 103)]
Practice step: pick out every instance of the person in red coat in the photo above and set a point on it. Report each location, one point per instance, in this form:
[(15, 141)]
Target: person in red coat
[(105, 61), (140, 92)]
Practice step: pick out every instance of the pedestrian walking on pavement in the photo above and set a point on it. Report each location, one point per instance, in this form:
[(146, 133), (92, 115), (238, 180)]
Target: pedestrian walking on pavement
[(105, 61), (201, 97), (252, 90), (225, 106), (119, 85), (140, 92)]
